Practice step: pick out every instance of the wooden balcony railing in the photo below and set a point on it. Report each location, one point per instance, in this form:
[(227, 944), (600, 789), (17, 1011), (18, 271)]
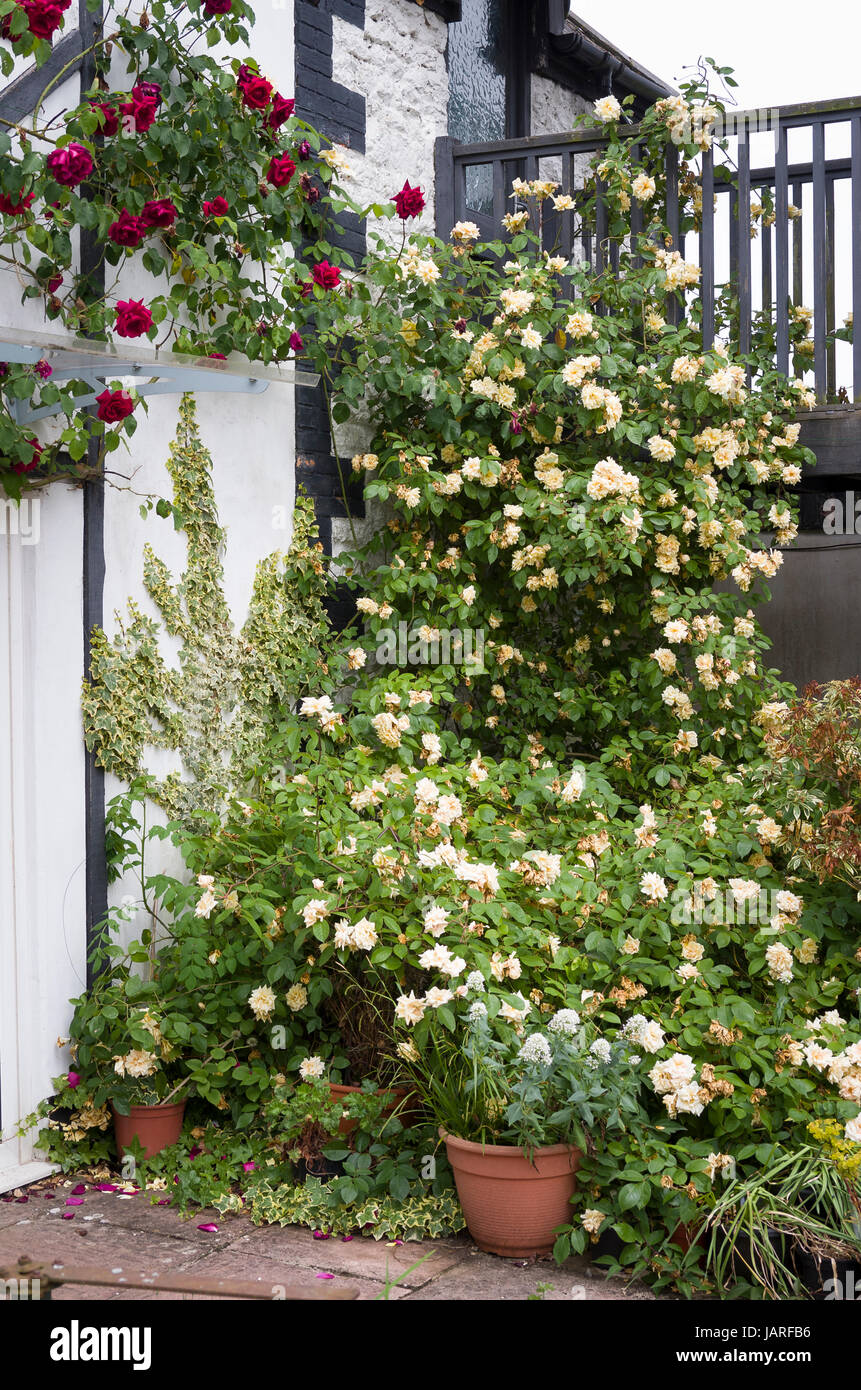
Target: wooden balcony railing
[(807, 157)]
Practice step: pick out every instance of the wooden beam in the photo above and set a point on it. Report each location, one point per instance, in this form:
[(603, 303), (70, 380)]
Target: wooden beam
[(271, 1290)]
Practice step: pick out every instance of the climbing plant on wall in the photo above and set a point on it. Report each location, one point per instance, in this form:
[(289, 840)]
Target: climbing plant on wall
[(212, 708)]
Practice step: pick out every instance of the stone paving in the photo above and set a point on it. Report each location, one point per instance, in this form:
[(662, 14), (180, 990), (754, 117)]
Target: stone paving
[(129, 1233)]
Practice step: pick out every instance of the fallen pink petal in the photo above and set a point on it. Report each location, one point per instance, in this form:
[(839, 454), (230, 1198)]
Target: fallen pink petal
[(208, 1226), (324, 1276)]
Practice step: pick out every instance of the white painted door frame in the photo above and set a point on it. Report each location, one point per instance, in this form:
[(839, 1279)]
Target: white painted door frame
[(42, 924)]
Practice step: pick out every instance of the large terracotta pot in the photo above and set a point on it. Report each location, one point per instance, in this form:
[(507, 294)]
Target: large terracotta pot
[(155, 1126), (511, 1205), (400, 1093)]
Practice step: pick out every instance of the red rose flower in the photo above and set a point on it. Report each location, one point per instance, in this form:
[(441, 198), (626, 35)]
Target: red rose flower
[(219, 207), (281, 170), (256, 92), (70, 165), (217, 6), (409, 202), (114, 405), (44, 17), (142, 113), (110, 118), (14, 207), (133, 318), (296, 344), (127, 230), (326, 275), (282, 110), (34, 462), (159, 213), (148, 92), (54, 283)]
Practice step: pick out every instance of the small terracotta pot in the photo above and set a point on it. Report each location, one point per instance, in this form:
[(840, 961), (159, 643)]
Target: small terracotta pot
[(512, 1206), (686, 1235), (155, 1126), (400, 1093)]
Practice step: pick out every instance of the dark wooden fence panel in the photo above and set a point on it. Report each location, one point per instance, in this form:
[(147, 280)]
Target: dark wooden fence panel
[(767, 275)]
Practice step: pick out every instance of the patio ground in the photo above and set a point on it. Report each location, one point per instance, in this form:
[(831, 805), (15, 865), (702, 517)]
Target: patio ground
[(128, 1235)]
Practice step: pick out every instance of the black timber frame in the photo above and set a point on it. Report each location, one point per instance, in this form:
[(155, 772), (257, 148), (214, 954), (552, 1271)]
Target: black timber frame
[(71, 56)]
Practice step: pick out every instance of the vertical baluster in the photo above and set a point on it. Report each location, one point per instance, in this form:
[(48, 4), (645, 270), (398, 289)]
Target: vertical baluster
[(460, 208), (781, 246), (636, 214), (830, 306), (600, 233), (820, 260), (797, 247), (585, 230), (499, 190), (733, 239), (671, 165), (765, 264), (856, 258), (744, 257), (567, 220), (707, 250)]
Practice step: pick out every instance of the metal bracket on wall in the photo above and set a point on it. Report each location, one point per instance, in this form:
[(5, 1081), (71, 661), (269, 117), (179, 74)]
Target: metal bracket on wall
[(164, 373)]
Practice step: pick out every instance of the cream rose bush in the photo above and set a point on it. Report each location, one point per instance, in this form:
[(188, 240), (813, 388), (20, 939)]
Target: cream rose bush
[(526, 783), (563, 469)]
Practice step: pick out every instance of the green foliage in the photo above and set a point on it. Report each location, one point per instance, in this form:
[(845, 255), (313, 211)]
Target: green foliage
[(531, 1089), (213, 284), (216, 709), (412, 1218)]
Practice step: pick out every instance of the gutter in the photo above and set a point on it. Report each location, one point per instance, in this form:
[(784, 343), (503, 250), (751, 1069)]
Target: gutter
[(573, 39)]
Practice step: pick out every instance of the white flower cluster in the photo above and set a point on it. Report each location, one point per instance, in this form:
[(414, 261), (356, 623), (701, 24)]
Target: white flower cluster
[(565, 1021), (644, 1033), (609, 479), (536, 1049), (320, 708), (675, 1081), (357, 936)]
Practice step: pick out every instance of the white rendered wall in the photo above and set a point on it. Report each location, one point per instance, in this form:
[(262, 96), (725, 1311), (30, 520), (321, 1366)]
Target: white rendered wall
[(42, 826)]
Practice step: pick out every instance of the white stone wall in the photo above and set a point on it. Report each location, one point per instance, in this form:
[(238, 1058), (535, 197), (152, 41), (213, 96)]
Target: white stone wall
[(552, 107), (398, 64)]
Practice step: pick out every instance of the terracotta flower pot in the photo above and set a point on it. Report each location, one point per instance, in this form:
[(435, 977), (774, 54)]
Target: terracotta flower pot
[(400, 1093), (511, 1205), (155, 1126)]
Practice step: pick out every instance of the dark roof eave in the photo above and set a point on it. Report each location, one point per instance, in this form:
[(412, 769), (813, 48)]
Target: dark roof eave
[(572, 39)]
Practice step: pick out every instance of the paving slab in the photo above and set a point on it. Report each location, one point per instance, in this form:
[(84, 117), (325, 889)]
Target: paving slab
[(363, 1256), (118, 1232), (275, 1275), (72, 1242), (489, 1277)]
